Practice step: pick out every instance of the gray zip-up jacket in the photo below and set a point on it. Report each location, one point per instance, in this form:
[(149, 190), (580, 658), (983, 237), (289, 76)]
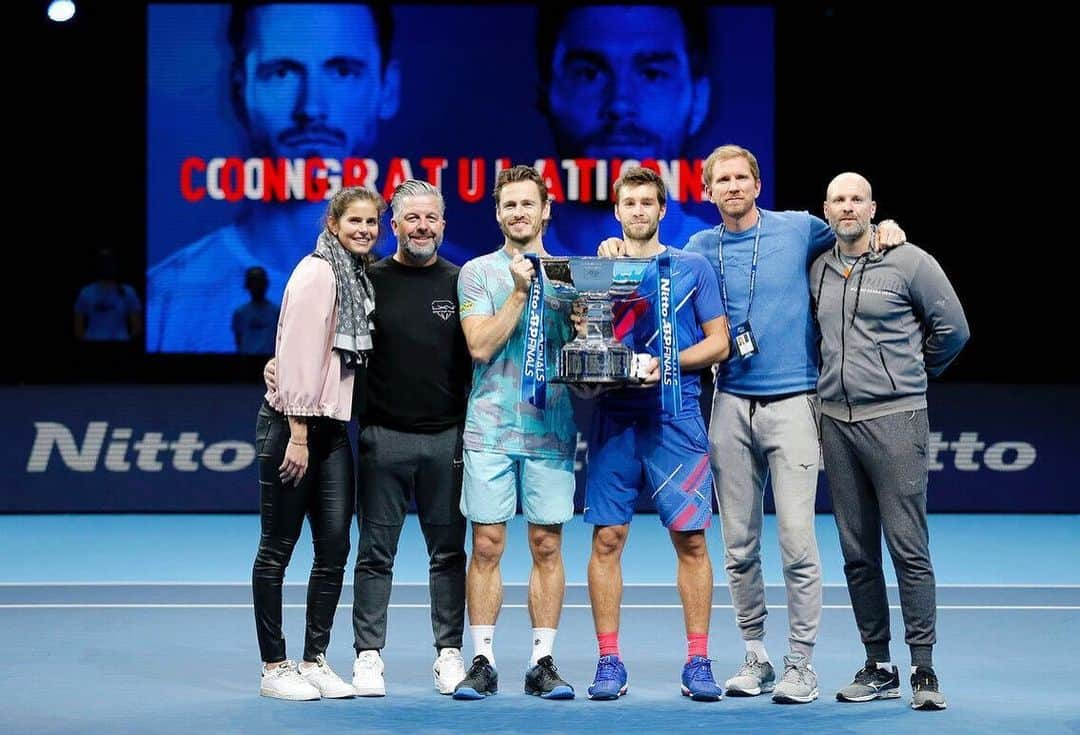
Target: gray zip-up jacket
[(894, 320)]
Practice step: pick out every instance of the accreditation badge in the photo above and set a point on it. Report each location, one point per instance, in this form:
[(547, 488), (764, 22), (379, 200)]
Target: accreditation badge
[(745, 344)]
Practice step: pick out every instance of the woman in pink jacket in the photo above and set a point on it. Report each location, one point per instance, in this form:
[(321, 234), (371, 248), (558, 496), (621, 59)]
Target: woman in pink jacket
[(305, 461)]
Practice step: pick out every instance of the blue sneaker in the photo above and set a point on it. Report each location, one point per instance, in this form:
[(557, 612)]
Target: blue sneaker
[(611, 678), (698, 682)]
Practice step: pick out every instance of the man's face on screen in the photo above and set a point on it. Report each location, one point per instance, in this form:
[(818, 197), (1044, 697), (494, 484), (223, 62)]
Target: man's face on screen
[(621, 85), (313, 84)]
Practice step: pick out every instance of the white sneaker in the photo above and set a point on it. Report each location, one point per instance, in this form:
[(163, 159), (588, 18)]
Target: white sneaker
[(367, 675), (323, 678), (449, 670), (282, 681)]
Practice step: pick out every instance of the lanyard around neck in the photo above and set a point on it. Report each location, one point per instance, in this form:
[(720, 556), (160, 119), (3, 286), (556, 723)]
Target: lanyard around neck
[(753, 267)]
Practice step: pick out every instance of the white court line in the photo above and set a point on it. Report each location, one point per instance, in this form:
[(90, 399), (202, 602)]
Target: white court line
[(424, 606), (663, 585)]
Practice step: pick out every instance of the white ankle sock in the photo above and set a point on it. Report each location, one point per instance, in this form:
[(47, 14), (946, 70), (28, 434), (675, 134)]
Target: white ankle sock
[(885, 666), (483, 641), (758, 648), (543, 643)]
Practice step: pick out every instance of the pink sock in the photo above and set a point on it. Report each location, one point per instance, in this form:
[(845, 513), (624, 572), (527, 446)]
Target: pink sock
[(697, 644), (609, 643)]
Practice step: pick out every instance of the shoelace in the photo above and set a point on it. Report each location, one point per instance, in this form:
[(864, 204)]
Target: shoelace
[(925, 681), (701, 670), (285, 668), (751, 668), (323, 671), (607, 670), (865, 674), (371, 663), (796, 673), (477, 669)]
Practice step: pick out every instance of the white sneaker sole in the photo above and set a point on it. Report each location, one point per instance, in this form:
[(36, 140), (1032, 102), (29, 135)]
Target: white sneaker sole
[(782, 698), (273, 694), (370, 691), (884, 694), (740, 691)]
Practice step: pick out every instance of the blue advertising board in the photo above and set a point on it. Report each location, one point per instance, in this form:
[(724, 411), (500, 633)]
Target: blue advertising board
[(994, 448)]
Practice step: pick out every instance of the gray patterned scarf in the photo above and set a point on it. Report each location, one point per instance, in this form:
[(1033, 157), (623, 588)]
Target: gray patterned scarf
[(355, 299)]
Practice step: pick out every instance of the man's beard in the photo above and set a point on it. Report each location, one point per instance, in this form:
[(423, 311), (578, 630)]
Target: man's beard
[(650, 231), (739, 207), (534, 232), (420, 253), (850, 231)]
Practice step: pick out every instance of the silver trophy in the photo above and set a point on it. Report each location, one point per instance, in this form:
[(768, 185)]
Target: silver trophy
[(592, 284)]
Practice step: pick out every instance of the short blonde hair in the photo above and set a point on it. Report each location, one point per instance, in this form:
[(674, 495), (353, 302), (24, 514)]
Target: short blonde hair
[(726, 153)]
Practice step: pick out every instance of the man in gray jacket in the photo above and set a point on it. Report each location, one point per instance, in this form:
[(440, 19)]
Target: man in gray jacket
[(888, 320)]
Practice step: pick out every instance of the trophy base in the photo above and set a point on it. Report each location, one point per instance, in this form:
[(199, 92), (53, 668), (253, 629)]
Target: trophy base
[(596, 364), (599, 380)]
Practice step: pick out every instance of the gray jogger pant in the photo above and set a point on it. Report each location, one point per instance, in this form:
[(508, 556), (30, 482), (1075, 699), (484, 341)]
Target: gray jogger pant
[(749, 440), (877, 472), (394, 467)]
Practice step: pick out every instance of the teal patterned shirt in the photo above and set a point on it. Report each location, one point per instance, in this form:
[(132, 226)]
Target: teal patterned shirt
[(497, 419)]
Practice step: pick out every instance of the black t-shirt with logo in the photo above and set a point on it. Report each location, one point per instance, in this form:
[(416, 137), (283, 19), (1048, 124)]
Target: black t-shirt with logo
[(417, 377)]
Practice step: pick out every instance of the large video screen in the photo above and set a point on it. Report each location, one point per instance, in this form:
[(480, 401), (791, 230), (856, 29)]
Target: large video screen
[(256, 117)]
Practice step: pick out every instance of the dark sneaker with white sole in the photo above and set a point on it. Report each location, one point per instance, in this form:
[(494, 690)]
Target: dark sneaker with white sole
[(925, 692), (543, 680), (871, 683), (481, 680)]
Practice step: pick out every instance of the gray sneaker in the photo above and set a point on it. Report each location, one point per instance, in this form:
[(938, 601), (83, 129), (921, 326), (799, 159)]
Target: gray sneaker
[(871, 683), (753, 678), (799, 684), (925, 694)]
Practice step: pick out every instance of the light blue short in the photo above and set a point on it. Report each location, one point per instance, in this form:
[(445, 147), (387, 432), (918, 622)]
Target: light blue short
[(493, 483)]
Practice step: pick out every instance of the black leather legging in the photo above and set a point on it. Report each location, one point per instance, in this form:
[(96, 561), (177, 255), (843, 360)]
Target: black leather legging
[(326, 495)]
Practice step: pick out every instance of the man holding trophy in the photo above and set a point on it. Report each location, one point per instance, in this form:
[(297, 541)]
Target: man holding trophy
[(519, 437), (648, 433)]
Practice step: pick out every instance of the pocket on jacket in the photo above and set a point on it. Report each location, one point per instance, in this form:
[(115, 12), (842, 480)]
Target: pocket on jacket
[(885, 367)]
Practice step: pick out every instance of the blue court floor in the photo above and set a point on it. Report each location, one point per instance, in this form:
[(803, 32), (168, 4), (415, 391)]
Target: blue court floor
[(143, 624)]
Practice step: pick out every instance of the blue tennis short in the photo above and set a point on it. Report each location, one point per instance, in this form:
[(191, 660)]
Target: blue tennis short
[(493, 483), (667, 457)]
